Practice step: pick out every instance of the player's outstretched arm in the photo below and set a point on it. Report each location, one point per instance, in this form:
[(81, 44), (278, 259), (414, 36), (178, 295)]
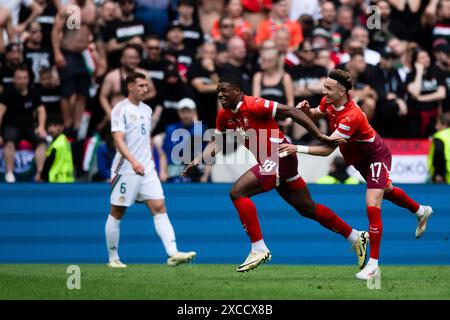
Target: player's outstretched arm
[(302, 119), (286, 149), (208, 154)]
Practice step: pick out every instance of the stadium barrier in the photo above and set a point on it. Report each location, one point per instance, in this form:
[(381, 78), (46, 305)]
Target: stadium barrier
[(65, 224)]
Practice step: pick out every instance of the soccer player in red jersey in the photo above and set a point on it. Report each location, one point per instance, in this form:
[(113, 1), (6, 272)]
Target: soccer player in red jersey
[(366, 151), (253, 119)]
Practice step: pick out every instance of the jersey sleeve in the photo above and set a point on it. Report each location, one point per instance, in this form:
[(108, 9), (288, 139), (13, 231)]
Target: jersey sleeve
[(323, 105), (263, 108), (220, 126), (348, 126), (118, 121)]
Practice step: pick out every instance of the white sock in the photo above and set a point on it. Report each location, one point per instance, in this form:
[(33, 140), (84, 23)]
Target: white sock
[(353, 237), (373, 262), (165, 231), (421, 211), (259, 246), (112, 231)]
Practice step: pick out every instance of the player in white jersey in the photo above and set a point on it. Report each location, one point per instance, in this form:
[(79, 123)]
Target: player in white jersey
[(134, 177)]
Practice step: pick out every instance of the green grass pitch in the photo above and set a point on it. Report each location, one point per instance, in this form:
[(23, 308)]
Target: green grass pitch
[(219, 282)]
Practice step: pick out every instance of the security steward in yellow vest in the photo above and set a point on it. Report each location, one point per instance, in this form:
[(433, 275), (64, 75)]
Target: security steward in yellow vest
[(58, 166), (439, 154)]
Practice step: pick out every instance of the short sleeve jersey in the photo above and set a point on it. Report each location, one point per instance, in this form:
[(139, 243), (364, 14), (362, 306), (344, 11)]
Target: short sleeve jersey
[(253, 119), (349, 122), (135, 121)]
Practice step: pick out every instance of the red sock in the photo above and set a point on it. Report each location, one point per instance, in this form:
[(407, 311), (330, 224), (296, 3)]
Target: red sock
[(330, 220), (400, 198), (375, 230), (249, 218)]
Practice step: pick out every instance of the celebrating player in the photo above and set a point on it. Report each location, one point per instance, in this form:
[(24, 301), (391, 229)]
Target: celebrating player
[(366, 151), (253, 119), (134, 175)]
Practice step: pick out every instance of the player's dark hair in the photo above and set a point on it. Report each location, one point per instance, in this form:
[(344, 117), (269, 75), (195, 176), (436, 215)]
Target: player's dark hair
[(343, 77), (233, 80), (55, 119), (131, 78)]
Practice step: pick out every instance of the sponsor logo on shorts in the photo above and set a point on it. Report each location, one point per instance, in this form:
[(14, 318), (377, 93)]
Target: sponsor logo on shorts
[(121, 199)]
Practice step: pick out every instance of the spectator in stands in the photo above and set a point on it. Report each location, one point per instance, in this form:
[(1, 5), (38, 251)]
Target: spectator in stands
[(391, 107), (338, 174), (273, 83), (238, 63), (380, 36), (6, 27), (226, 30), (13, 60), (324, 59), (49, 91), (441, 51), (18, 107), (203, 78), (36, 55), (437, 16), (14, 8), (114, 88), (281, 41), (172, 92), (105, 156), (307, 25), (278, 19), (308, 79), (439, 155), (328, 20), (345, 25), (153, 63), (402, 56), (363, 89), (426, 90), (175, 38), (187, 18), (58, 165), (189, 141), (124, 31), (70, 49), (241, 27), (47, 19), (361, 35)]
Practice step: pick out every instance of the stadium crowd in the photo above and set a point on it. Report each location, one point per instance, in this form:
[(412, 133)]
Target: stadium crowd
[(66, 61)]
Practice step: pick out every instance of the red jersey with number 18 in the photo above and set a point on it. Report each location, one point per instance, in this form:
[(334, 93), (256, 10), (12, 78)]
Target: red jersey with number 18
[(350, 122), (253, 119)]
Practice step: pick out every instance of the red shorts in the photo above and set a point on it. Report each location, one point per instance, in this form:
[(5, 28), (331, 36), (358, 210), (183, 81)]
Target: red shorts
[(275, 172), (375, 169)]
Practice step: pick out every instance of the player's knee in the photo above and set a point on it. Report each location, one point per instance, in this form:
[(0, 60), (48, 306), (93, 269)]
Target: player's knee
[(236, 194)]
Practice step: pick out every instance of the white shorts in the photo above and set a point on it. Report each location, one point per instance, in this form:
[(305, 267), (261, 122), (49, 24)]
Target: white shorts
[(128, 188)]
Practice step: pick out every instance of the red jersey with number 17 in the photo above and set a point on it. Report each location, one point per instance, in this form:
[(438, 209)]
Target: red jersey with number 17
[(350, 122), (253, 119)]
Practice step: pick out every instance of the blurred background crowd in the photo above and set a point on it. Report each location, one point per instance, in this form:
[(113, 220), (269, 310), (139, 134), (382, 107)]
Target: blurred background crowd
[(63, 65)]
